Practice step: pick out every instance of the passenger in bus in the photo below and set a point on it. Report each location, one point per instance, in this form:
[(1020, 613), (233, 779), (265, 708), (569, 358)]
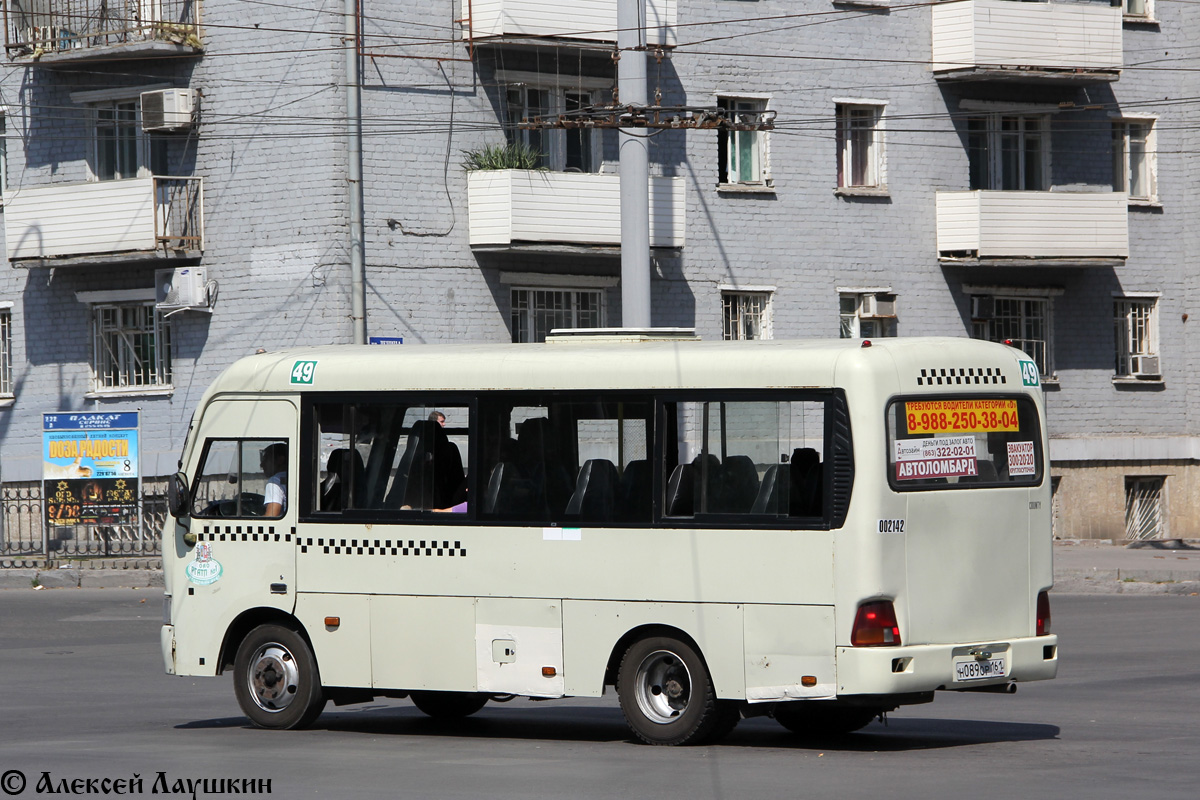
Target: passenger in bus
[(274, 459), (438, 417)]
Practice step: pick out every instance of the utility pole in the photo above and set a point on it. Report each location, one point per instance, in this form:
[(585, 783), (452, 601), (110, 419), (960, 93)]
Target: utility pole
[(634, 167), (358, 292)]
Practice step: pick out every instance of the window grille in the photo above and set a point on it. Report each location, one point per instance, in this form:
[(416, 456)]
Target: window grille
[(6, 361), (132, 347), (536, 312), (746, 315), (1136, 333), (1143, 508), (1022, 321)]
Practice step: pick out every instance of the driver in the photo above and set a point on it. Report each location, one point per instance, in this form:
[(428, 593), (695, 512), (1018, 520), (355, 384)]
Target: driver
[(274, 459)]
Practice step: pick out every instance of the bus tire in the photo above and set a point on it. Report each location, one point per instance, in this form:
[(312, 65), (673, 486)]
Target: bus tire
[(815, 718), (449, 705), (667, 695), (276, 680)]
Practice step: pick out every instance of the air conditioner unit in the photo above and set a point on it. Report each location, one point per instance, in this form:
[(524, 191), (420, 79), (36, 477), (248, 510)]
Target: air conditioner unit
[(180, 288), (878, 305), (1144, 366), (983, 306), (167, 109)]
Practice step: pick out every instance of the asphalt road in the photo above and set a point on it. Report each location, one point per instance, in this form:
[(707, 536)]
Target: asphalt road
[(82, 695)]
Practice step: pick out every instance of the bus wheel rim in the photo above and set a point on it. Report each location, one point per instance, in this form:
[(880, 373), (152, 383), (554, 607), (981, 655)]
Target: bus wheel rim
[(273, 677), (663, 688)]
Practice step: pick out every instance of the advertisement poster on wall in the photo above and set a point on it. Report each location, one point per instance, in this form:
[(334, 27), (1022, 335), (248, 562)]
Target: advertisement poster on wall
[(90, 468)]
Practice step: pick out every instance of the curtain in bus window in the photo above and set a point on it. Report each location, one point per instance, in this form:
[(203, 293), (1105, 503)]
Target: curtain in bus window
[(570, 461), (399, 457), (963, 442), (752, 458)]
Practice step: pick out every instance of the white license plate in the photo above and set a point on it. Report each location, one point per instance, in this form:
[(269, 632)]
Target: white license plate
[(975, 670)]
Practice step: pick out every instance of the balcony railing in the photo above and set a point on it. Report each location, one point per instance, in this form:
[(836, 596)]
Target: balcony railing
[(83, 29), (1033, 225), (514, 207), (106, 221), (593, 20), (1004, 38)]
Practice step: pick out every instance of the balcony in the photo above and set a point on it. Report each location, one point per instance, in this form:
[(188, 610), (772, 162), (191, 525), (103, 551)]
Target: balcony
[(516, 208), (1004, 39), (584, 20), (63, 32), (1085, 228), (142, 219)]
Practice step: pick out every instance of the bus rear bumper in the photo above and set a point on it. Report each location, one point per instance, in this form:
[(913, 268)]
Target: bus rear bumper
[(923, 668)]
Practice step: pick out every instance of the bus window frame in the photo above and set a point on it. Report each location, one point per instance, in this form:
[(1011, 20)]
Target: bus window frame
[(905, 487), (833, 513)]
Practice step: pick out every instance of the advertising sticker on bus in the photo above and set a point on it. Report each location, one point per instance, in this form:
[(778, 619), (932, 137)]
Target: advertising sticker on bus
[(943, 457), (961, 416), (1021, 459)]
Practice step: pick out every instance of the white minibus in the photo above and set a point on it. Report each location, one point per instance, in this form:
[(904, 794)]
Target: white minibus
[(819, 531)]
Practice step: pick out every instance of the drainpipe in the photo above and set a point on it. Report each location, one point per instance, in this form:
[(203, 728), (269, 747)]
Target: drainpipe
[(358, 311), (635, 168)]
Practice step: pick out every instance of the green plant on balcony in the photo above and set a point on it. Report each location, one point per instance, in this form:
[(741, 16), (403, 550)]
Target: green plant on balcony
[(513, 155)]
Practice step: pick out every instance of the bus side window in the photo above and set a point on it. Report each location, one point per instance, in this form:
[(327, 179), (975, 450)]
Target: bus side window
[(233, 482)]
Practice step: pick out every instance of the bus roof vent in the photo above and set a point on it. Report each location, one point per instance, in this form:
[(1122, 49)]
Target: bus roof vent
[(590, 335), (960, 376)]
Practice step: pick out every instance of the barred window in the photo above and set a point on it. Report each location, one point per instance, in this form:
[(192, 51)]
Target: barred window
[(6, 360), (1136, 334), (1023, 322), (536, 312), (131, 347), (746, 315)]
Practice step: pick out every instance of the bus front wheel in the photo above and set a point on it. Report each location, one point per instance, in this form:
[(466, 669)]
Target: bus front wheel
[(823, 717), (449, 705), (667, 695), (276, 679)]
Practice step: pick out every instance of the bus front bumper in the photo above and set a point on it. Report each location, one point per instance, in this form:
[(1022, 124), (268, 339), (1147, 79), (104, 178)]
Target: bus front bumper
[(957, 667)]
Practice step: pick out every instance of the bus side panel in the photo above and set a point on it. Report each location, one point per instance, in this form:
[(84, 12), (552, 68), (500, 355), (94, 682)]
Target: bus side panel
[(515, 640), (342, 648), (423, 643), (783, 645), (592, 628)]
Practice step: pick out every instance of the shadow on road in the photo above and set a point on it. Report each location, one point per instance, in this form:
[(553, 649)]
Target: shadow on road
[(607, 725)]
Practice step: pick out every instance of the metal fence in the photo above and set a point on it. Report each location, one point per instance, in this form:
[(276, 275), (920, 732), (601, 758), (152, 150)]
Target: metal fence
[(43, 26), (24, 533)]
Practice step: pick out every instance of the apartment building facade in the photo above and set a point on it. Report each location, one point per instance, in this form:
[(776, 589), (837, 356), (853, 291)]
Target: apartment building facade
[(177, 194)]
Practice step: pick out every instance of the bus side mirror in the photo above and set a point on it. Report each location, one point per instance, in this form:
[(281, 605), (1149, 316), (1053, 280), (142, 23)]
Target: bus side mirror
[(177, 495)]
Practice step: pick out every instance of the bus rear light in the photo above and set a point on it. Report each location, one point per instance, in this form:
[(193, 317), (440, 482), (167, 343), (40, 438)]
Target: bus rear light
[(875, 625), (1043, 614)]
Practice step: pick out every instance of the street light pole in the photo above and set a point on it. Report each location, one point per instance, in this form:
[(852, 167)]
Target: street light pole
[(634, 168)]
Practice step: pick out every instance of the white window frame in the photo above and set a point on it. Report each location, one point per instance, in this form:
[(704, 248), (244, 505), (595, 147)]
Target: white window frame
[(996, 138), (7, 390), (100, 99), (739, 316), (1135, 329), (3, 154), (109, 343), (986, 327), (1123, 159), (850, 147), (730, 142), (553, 140), (531, 291), (855, 319), (1146, 14)]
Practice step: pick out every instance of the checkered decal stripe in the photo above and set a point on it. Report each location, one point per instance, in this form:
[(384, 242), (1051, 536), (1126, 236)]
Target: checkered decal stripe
[(957, 376), (243, 533), (383, 547)]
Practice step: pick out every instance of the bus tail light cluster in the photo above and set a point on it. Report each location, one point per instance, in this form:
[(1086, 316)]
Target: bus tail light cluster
[(1043, 614), (875, 625)]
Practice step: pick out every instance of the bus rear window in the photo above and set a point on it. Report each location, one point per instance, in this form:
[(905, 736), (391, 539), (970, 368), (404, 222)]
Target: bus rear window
[(963, 442)]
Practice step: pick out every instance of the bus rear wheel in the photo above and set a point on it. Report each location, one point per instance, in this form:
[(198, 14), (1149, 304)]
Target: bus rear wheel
[(276, 679), (816, 718), (449, 705), (667, 695)]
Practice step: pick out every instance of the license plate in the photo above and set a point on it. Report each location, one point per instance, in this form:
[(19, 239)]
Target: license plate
[(974, 669)]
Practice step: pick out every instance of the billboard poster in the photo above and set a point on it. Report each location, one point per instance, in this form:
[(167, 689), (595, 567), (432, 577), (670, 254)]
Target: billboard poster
[(90, 468)]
